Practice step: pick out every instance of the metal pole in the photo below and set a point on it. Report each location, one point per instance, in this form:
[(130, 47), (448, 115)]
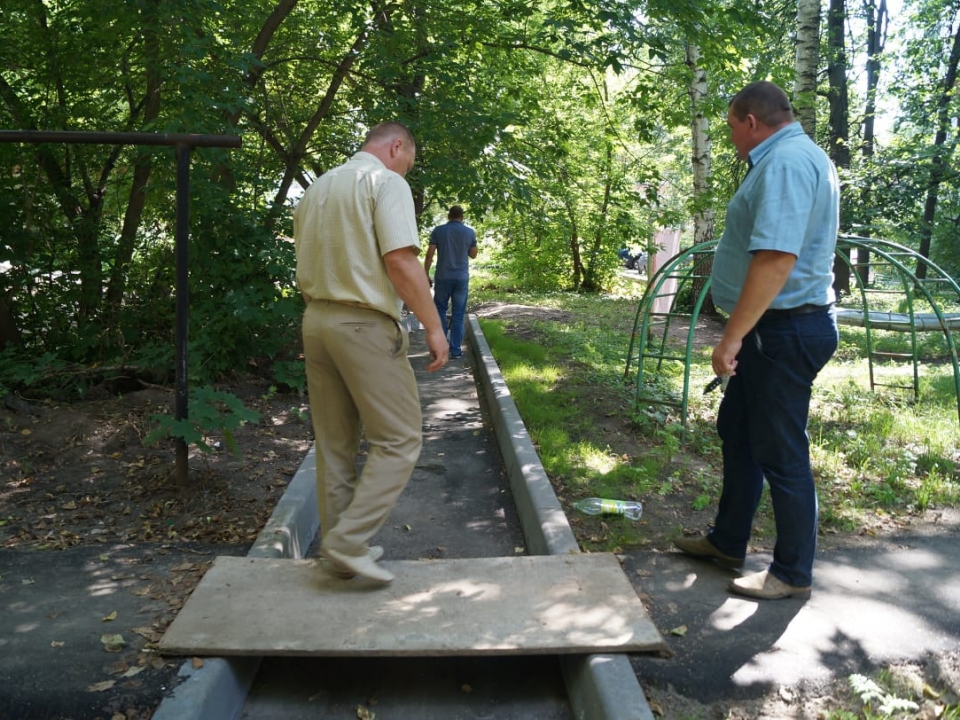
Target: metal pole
[(118, 138), (183, 142), (183, 301)]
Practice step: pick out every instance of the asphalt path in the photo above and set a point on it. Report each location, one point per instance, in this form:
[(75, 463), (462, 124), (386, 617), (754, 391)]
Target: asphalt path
[(456, 505), (891, 600)]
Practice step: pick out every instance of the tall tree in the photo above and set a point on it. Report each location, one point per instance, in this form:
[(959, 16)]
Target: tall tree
[(917, 162), (877, 21), (942, 152), (837, 96), (143, 110), (807, 64), (703, 230), (700, 157)]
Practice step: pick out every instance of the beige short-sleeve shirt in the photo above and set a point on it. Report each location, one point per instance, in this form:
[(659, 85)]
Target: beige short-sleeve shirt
[(347, 220)]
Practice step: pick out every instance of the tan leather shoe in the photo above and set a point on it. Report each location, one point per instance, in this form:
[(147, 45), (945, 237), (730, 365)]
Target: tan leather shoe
[(766, 586), (700, 547), (363, 565)]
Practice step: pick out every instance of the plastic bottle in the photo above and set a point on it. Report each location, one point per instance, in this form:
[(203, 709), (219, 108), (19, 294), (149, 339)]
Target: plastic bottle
[(600, 506)]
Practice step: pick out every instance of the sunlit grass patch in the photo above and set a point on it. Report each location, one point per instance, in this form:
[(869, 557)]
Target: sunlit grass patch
[(877, 455), (881, 452)]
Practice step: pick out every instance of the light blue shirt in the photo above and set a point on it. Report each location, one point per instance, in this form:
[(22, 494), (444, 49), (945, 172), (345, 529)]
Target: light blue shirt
[(789, 201)]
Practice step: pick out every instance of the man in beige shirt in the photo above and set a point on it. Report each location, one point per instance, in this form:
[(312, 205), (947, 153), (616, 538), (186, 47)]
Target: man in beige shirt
[(357, 264)]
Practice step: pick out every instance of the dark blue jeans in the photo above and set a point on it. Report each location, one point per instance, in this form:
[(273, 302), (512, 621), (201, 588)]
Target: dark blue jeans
[(762, 424), (455, 291)]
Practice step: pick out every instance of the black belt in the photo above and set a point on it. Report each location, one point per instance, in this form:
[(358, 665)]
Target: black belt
[(784, 313)]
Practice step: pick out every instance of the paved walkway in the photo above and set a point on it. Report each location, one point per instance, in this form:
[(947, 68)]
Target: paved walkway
[(894, 600)]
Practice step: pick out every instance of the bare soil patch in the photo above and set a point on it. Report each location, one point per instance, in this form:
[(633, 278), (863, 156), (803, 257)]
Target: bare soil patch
[(79, 474)]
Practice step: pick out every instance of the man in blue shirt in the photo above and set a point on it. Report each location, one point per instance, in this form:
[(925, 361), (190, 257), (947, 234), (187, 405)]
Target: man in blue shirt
[(773, 273), (455, 244)]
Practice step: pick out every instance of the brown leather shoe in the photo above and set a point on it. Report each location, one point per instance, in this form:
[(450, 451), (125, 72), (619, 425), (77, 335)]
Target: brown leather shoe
[(700, 547), (766, 586)]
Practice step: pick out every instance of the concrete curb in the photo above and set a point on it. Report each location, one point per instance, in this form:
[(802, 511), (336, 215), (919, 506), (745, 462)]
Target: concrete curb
[(600, 687), (219, 688)]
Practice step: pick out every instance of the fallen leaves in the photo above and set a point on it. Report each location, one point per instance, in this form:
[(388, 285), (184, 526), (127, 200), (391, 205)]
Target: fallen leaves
[(150, 634), (101, 686), (102, 488), (113, 643)]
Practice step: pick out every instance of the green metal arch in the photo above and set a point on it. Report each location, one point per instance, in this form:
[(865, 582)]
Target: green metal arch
[(903, 259), (648, 340), (685, 267)]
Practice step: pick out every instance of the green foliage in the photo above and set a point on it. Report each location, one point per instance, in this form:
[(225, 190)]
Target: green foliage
[(243, 306), (291, 374), (565, 132), (878, 699), (18, 369), (211, 412)]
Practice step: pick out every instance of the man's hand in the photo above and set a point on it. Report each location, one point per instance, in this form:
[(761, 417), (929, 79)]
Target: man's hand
[(439, 349), (724, 359), (766, 276), (412, 284)]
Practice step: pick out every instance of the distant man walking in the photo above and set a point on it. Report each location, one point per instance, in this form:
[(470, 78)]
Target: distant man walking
[(357, 245), (455, 245), (773, 273)]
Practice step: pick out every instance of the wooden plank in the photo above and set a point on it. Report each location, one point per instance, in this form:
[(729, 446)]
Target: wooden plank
[(545, 604)]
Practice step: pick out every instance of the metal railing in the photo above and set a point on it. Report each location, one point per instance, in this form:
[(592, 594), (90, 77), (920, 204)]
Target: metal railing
[(183, 143)]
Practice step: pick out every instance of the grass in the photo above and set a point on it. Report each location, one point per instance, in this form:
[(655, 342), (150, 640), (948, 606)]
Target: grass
[(877, 456)]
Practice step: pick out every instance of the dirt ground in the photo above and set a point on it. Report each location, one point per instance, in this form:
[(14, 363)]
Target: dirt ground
[(78, 474), (75, 477)]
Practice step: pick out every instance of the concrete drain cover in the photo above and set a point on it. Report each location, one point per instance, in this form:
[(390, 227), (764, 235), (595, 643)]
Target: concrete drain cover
[(543, 604)]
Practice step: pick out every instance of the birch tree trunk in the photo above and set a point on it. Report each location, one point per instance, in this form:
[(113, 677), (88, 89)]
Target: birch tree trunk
[(807, 62), (702, 163)]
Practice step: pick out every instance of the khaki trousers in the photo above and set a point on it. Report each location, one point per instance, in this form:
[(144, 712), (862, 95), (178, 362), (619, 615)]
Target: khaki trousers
[(359, 376)]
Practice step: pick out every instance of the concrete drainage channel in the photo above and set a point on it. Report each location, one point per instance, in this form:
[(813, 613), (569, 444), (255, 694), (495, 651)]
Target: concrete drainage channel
[(599, 687)]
